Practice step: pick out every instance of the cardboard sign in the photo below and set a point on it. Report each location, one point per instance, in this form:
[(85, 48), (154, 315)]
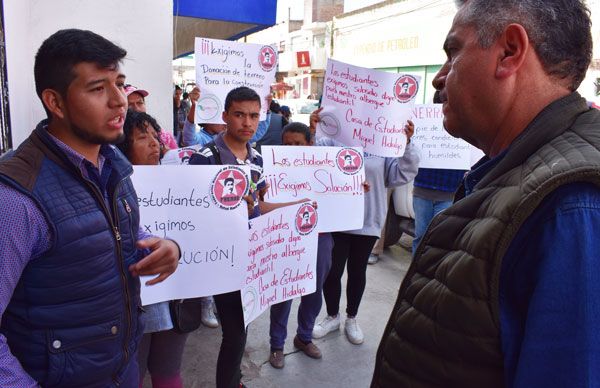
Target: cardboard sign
[(367, 108), (438, 148), (222, 65), (332, 176), (282, 258), (200, 207)]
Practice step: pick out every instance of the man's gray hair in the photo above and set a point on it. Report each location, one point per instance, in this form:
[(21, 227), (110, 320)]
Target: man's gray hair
[(559, 30)]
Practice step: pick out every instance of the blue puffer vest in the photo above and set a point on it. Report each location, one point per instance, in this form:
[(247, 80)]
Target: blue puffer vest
[(73, 320)]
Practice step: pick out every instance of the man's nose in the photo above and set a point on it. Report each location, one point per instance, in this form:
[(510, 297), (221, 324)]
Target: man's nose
[(439, 81), (117, 97)]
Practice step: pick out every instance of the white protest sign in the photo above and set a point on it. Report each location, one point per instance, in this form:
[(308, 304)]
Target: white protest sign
[(222, 65), (438, 148), (476, 155), (332, 176), (200, 207), (282, 258), (179, 156), (367, 108)]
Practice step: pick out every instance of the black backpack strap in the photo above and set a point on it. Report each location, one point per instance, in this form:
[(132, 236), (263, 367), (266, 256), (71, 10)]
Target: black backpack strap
[(215, 151)]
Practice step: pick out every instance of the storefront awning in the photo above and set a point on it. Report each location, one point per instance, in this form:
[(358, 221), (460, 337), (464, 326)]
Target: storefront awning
[(221, 19)]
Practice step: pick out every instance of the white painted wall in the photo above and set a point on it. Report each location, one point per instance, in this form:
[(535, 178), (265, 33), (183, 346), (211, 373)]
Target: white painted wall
[(143, 28), (22, 97)]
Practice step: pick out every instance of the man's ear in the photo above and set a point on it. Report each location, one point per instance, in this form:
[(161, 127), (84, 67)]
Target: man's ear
[(514, 47), (54, 102), (224, 115)]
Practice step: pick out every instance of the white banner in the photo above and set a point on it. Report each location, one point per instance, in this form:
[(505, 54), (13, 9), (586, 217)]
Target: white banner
[(332, 176), (367, 108), (200, 207), (282, 258), (222, 65), (438, 148)]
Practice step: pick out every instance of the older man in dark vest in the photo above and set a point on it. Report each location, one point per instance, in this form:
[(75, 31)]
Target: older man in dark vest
[(503, 290)]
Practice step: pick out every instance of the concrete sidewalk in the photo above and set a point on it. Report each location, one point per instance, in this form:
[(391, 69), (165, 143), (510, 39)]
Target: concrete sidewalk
[(343, 364)]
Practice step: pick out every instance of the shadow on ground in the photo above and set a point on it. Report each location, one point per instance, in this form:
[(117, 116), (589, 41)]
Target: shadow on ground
[(343, 364)]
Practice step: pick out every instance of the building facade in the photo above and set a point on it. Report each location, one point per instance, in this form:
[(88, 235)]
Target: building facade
[(407, 37), (400, 37)]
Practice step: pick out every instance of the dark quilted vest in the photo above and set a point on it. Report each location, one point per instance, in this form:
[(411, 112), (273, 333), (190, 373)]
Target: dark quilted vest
[(444, 330), (73, 319)]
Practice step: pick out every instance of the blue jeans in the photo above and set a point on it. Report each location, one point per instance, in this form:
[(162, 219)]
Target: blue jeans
[(425, 210), (310, 304)]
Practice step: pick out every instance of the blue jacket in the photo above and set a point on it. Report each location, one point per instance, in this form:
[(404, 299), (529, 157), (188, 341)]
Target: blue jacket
[(73, 320), (439, 179)]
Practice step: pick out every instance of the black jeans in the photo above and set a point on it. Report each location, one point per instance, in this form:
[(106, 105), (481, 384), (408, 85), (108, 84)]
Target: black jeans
[(229, 307), (354, 250)]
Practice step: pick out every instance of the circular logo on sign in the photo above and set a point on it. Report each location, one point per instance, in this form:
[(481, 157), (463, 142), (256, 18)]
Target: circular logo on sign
[(185, 154), (306, 219), (229, 187), (267, 58), (329, 124), (208, 107), (349, 161), (406, 88), (249, 301)]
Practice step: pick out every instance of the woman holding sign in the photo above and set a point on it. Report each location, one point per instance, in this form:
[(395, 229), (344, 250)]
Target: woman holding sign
[(161, 348), (352, 248), (297, 134)]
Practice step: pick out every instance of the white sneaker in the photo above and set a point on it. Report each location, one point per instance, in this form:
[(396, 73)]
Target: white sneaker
[(207, 316), (373, 258), (353, 331), (326, 326)]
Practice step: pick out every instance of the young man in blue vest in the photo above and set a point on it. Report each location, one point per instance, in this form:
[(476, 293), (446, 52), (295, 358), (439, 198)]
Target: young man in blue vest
[(503, 290), (71, 246)]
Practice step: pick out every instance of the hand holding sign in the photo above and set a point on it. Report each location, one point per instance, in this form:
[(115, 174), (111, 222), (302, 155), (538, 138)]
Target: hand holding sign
[(314, 120), (249, 204), (161, 261), (366, 187), (194, 94), (409, 129)]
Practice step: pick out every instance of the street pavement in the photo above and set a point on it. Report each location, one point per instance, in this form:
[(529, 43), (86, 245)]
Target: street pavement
[(343, 364)]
